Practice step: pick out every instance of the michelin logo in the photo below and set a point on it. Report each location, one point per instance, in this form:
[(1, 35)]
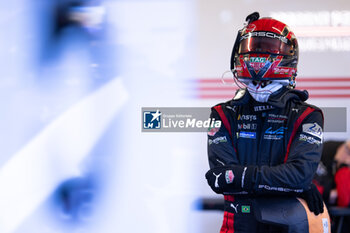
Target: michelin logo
[(313, 129)]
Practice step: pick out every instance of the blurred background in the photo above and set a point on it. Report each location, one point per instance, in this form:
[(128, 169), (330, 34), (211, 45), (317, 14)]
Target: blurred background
[(74, 75)]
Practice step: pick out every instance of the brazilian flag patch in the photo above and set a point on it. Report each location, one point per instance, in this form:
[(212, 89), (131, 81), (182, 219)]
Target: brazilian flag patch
[(246, 209)]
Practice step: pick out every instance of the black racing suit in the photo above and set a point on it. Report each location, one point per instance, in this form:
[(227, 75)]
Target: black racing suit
[(282, 138)]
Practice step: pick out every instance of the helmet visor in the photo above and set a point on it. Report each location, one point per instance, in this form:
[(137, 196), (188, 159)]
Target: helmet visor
[(265, 42)]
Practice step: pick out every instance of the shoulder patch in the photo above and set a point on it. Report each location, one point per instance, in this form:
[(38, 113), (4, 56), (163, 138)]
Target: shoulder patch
[(313, 129), (213, 130)]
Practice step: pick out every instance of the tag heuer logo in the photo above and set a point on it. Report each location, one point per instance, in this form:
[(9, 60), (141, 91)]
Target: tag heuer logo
[(258, 59), (229, 176)]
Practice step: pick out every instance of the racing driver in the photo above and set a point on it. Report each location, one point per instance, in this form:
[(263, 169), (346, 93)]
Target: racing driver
[(270, 140)]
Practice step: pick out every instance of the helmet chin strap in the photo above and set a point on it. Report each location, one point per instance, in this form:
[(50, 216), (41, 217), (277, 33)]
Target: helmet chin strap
[(261, 90)]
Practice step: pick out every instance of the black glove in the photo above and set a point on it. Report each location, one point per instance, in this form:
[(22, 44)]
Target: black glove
[(228, 179), (313, 199)]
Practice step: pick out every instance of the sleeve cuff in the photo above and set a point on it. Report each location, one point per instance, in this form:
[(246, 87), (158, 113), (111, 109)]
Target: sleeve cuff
[(248, 175)]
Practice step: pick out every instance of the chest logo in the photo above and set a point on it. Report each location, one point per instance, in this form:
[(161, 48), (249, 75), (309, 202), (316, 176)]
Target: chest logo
[(276, 134), (244, 134), (247, 117)]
